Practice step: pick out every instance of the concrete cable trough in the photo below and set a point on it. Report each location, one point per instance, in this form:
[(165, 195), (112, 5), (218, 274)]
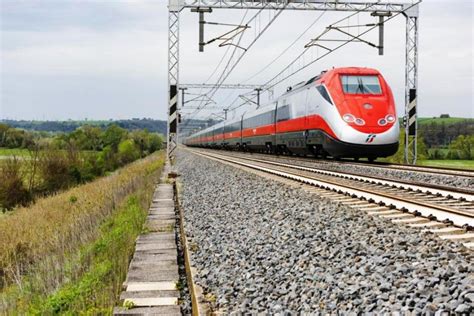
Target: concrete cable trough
[(151, 284)]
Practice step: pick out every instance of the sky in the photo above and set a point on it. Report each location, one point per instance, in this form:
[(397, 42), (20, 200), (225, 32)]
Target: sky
[(68, 59)]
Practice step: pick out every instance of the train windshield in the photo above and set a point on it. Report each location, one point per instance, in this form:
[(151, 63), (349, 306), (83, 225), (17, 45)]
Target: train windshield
[(353, 84)]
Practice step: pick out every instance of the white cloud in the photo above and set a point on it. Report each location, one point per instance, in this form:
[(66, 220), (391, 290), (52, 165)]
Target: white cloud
[(85, 52)]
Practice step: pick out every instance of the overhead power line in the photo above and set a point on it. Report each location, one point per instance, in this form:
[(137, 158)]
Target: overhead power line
[(287, 48), (269, 83), (226, 73)]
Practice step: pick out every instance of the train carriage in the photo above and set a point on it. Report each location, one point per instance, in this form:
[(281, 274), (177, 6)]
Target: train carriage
[(258, 128), (343, 112), (233, 133)]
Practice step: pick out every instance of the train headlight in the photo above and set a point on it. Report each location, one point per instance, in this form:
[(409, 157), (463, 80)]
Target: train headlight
[(382, 122), (390, 118), (359, 121), (348, 118)]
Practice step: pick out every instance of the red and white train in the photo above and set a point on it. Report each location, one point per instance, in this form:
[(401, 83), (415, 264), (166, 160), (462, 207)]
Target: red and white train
[(343, 112)]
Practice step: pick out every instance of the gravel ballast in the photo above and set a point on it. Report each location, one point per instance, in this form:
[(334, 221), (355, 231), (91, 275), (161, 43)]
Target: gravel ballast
[(262, 246)]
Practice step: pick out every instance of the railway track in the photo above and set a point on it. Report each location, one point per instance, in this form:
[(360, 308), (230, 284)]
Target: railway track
[(446, 211), (439, 190), (424, 169), (465, 173)]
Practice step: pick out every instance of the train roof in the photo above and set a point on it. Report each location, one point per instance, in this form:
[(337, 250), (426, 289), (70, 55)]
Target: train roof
[(207, 129), (321, 78), (263, 109), (234, 120), (348, 71)]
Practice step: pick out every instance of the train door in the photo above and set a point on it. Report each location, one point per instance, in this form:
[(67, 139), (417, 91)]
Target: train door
[(223, 142), (274, 130), (240, 144), (306, 99), (298, 135)]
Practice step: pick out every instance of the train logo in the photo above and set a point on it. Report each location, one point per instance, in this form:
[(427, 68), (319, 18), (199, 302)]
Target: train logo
[(370, 138)]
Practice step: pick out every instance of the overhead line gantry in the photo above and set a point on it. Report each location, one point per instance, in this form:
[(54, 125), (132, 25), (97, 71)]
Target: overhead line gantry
[(379, 8)]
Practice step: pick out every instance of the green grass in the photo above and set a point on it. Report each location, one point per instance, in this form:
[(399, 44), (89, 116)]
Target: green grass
[(447, 121), (437, 120), (19, 152), (97, 289), (95, 272), (23, 152), (460, 164)]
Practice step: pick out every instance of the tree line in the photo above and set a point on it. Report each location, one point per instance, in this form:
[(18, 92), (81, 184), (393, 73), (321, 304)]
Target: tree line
[(149, 124), (442, 134), (61, 161)]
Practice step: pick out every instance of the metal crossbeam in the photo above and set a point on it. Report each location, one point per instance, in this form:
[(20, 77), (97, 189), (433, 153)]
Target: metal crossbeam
[(222, 86), (321, 5)]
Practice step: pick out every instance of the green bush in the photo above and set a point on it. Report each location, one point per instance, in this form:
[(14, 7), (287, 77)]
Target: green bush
[(12, 189), (57, 171), (399, 156), (113, 135), (128, 151), (462, 147), (436, 154), (453, 155)]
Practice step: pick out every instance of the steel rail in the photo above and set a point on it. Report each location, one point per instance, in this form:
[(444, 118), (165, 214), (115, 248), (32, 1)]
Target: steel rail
[(427, 169), (426, 209), (457, 193), (424, 169)]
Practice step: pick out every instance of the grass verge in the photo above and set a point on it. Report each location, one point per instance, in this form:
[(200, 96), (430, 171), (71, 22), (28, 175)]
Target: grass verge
[(19, 152), (460, 164), (97, 290), (69, 253)]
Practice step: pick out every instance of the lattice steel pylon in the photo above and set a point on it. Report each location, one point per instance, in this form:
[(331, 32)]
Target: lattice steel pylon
[(410, 11), (411, 86), (173, 77)]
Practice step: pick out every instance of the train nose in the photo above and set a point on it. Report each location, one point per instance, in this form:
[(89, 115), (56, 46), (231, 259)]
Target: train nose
[(371, 113)]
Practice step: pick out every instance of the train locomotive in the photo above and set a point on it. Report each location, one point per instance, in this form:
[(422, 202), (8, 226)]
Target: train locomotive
[(343, 113)]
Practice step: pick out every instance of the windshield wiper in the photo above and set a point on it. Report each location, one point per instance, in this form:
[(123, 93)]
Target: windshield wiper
[(360, 86)]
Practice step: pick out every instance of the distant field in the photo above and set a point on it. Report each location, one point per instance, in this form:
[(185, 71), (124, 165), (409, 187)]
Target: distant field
[(437, 120), (460, 164), (13, 152), (4, 152)]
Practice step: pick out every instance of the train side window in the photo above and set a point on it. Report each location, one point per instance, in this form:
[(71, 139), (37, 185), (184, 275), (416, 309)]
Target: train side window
[(324, 93), (283, 113)]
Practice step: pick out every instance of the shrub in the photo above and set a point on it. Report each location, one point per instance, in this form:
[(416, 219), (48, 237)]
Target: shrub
[(56, 170), (107, 160), (453, 155), (463, 147), (12, 189), (113, 135), (128, 151), (435, 154), (399, 156), (154, 142)]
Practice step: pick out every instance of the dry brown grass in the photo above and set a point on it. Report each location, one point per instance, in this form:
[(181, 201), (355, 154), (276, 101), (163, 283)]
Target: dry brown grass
[(55, 226)]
